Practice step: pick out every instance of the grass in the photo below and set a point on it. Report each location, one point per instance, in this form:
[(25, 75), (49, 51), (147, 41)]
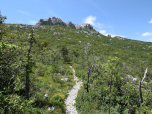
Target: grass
[(50, 61)]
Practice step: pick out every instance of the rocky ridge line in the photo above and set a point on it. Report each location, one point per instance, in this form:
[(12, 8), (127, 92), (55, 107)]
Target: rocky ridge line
[(53, 21), (58, 21)]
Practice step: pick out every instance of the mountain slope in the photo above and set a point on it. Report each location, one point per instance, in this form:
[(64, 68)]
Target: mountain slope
[(57, 47)]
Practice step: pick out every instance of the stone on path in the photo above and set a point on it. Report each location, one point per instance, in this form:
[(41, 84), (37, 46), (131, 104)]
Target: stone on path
[(70, 101)]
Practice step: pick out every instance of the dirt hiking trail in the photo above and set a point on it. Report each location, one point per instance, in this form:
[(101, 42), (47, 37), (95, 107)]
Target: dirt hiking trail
[(70, 101)]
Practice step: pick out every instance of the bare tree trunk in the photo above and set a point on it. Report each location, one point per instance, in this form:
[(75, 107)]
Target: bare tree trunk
[(140, 93), (88, 80), (140, 84)]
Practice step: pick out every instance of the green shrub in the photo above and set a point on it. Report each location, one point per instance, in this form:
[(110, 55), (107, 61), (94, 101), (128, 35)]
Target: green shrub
[(55, 68)]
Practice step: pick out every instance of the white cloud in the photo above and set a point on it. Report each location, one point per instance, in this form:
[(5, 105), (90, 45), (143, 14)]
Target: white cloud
[(150, 21), (90, 20), (147, 34), (112, 35), (102, 31), (98, 23), (109, 26), (24, 12)]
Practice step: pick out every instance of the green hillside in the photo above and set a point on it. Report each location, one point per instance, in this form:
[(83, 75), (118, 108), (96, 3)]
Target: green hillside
[(46, 61)]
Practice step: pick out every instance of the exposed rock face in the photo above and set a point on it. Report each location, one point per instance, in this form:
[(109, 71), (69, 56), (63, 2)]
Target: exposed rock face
[(53, 21), (78, 27), (86, 26), (45, 22), (70, 24), (58, 21), (109, 35)]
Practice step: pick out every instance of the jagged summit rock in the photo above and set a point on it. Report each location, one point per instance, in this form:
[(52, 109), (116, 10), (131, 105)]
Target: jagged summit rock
[(86, 26), (109, 35), (53, 21), (70, 24), (78, 27), (58, 21), (45, 22)]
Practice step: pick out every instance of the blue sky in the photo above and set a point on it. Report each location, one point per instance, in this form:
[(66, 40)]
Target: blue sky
[(130, 19)]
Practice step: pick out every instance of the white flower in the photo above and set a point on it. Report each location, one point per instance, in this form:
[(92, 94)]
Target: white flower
[(52, 108), (46, 95), (49, 108), (62, 79)]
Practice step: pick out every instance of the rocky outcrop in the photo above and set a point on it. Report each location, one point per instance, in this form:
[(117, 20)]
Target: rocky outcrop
[(70, 24), (10, 26), (54, 21), (109, 35), (21, 26), (86, 26), (58, 21), (78, 27), (45, 22)]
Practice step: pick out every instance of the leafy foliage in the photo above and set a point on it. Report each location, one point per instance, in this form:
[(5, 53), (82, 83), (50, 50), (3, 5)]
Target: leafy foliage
[(53, 51)]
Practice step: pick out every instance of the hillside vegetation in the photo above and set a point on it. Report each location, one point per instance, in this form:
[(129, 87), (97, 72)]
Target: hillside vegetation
[(34, 64)]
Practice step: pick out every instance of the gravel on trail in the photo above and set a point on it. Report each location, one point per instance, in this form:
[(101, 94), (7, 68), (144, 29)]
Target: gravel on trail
[(69, 102)]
